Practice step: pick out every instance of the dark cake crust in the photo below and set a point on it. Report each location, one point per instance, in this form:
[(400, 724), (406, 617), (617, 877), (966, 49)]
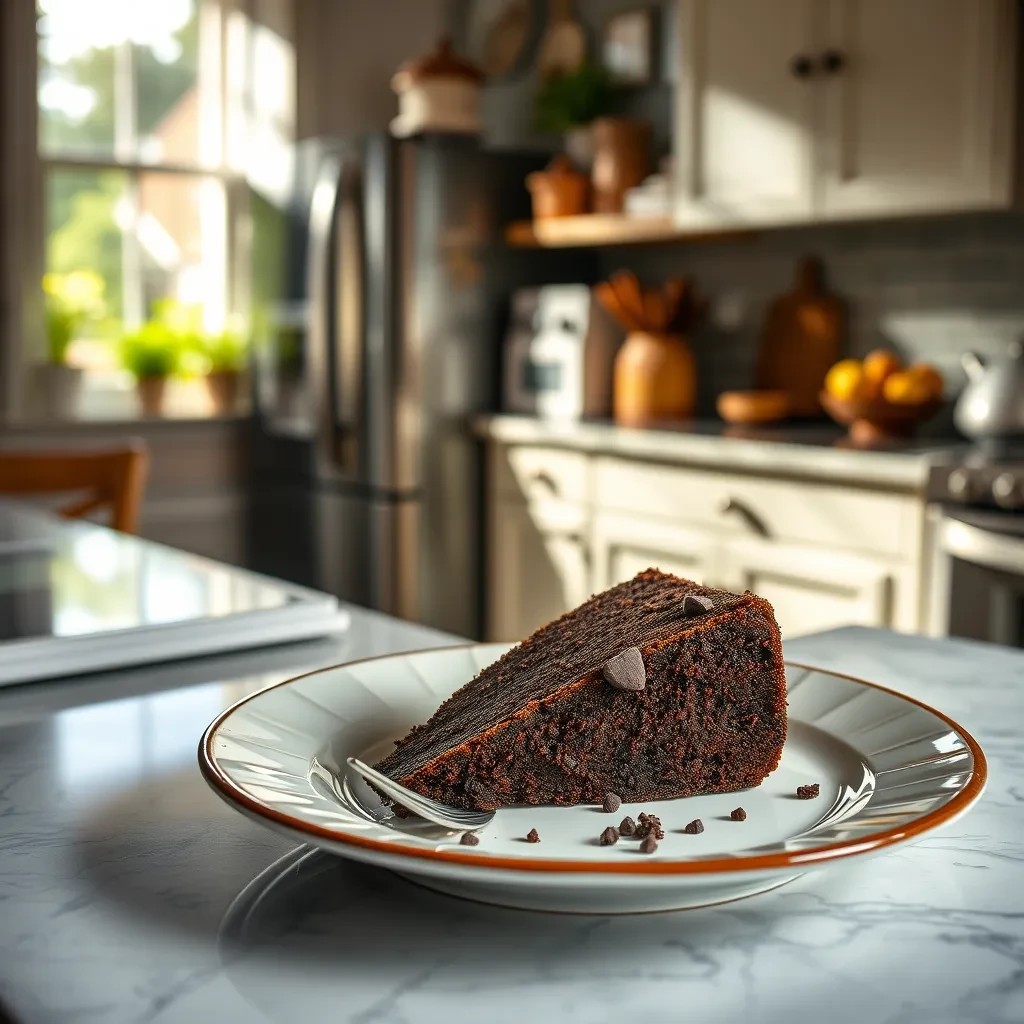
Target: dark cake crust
[(543, 726)]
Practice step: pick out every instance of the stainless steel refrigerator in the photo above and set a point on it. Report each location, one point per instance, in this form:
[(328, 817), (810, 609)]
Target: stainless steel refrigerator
[(377, 294)]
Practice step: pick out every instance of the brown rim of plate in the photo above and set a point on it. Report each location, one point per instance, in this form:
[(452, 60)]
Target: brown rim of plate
[(958, 803)]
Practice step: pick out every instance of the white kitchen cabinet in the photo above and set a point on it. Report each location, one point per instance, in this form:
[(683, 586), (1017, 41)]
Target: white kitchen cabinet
[(745, 115), (539, 565), (797, 110), (623, 545), (917, 114), (810, 588)]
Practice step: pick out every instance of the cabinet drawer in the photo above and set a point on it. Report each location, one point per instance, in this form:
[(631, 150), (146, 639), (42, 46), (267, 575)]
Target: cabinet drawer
[(811, 513), (541, 474)]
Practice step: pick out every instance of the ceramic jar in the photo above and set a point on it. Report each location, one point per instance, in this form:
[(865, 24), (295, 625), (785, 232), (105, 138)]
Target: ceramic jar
[(655, 379), (622, 159), (437, 93), (559, 190)]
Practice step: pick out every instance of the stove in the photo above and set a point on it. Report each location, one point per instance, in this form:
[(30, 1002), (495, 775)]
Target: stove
[(976, 526), (986, 477)]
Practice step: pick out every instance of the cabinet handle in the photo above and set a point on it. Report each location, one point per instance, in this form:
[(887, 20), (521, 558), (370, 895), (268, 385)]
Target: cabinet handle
[(833, 61), (545, 480), (801, 66), (747, 514)]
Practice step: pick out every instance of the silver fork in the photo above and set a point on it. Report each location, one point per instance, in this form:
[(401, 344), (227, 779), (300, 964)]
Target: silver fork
[(454, 818)]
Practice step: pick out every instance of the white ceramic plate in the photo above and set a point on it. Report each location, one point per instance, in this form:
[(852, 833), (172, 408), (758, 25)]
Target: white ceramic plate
[(890, 769)]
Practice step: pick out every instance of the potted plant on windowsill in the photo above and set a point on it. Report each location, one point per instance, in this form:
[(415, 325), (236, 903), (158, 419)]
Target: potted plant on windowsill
[(226, 355), (569, 103), (151, 354), (71, 301)]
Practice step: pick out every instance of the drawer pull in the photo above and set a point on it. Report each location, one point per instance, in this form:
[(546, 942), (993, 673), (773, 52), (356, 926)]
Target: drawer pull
[(747, 514), (544, 479)]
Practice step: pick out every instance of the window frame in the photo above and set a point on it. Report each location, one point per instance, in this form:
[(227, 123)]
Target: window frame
[(22, 206)]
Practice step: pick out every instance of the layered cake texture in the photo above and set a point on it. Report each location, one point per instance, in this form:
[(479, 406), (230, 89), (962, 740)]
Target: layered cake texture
[(654, 689)]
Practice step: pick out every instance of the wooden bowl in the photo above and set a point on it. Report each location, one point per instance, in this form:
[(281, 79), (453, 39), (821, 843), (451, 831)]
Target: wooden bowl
[(871, 421), (753, 406)]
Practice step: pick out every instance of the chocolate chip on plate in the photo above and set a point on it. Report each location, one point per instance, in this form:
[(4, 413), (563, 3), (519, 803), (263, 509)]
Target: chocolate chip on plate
[(610, 836), (738, 815), (649, 825), (626, 670), (808, 792), (648, 845), (533, 836), (694, 604), (627, 827), (612, 802), (469, 839), (695, 827)]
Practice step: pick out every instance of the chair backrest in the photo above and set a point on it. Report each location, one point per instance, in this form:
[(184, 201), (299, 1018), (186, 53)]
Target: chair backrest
[(113, 477)]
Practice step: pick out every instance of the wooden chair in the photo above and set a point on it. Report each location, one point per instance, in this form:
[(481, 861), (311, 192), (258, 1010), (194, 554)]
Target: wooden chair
[(111, 476)]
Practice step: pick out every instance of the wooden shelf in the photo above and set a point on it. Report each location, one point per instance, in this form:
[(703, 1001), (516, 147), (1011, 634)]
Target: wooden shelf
[(598, 229)]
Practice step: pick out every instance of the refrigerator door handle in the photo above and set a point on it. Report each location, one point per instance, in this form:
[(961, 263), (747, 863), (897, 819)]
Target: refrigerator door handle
[(334, 330)]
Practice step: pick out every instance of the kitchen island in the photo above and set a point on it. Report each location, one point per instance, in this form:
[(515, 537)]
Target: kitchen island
[(130, 892)]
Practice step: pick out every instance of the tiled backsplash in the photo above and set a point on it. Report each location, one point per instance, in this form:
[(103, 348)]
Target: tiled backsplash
[(930, 288)]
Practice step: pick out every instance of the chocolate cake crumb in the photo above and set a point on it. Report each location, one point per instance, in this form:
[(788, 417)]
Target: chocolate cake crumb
[(739, 814), (695, 604), (610, 836), (808, 792), (469, 839), (612, 802), (694, 828), (533, 836), (649, 825), (627, 827), (648, 845)]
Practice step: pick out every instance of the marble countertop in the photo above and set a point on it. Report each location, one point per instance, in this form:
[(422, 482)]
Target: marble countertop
[(818, 452), (129, 892)]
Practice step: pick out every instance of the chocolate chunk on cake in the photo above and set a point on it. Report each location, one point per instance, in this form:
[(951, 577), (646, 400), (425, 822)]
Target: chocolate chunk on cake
[(657, 688)]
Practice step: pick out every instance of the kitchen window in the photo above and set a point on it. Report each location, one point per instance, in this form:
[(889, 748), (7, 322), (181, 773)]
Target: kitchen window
[(145, 114)]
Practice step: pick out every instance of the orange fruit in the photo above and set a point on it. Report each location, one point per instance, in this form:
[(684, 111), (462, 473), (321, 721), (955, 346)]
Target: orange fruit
[(929, 378), (877, 366), (904, 388), (845, 379)]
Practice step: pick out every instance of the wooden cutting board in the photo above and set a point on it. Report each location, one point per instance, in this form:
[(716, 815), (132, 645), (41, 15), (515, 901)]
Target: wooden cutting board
[(801, 339)]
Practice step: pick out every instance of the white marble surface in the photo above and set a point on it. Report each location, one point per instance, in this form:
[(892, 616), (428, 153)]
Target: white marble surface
[(122, 878), (811, 452)]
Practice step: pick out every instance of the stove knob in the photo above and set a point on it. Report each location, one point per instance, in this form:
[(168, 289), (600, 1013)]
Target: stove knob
[(1006, 492), (958, 483)]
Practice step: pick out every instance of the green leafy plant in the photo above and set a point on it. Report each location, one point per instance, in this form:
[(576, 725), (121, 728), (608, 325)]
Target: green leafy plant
[(575, 98), (226, 352), (71, 301), (154, 350)]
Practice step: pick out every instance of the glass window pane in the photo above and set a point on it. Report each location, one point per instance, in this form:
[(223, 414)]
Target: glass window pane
[(84, 262), (76, 80), (181, 236), (172, 111)]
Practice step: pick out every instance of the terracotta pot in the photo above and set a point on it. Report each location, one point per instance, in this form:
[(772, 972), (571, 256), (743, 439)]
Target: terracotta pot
[(223, 387), (622, 159), (558, 190), (151, 392), (655, 379)]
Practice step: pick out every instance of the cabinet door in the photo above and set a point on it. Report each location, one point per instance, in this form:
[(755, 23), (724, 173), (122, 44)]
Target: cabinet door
[(918, 115), (539, 566), (745, 117), (810, 588), (623, 545)]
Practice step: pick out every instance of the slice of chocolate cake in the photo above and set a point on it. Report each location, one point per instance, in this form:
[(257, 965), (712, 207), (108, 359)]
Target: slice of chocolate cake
[(654, 689)]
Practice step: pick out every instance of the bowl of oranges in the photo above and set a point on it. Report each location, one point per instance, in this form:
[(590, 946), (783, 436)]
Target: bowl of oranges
[(878, 398)]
